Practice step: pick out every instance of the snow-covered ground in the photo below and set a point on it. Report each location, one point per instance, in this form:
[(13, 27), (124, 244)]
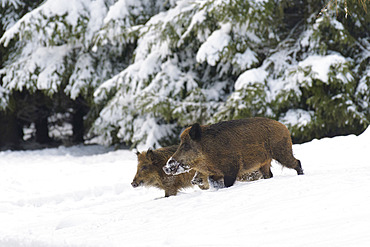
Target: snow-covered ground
[(81, 196)]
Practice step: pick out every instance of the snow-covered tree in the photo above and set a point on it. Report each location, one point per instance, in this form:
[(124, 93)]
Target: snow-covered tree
[(146, 69), (11, 127), (186, 61), (53, 55), (310, 81), (278, 59), (55, 40)]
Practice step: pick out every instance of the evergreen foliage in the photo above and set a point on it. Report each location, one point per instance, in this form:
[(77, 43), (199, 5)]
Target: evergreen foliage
[(145, 69)]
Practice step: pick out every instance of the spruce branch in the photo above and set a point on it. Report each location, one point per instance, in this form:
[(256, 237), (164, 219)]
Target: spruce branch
[(329, 4)]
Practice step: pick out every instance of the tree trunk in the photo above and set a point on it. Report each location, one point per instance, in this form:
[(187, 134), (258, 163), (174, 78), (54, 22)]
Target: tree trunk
[(78, 126), (42, 131), (11, 132)]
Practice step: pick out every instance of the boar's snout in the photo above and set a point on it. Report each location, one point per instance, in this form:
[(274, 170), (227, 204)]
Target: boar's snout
[(171, 166), (134, 184)]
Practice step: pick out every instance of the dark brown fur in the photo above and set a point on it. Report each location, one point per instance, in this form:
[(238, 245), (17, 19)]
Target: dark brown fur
[(150, 172), (232, 149)]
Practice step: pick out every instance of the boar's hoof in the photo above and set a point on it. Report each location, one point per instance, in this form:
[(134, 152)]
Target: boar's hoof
[(171, 166), (300, 172), (299, 168)]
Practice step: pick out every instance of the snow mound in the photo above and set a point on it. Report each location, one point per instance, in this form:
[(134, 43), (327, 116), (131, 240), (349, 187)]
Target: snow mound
[(81, 196)]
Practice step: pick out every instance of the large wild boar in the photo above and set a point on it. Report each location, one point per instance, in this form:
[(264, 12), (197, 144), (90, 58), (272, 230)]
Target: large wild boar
[(150, 172), (228, 150)]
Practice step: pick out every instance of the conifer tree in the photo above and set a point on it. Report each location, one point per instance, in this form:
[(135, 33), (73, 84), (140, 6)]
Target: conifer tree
[(145, 69), (53, 56), (219, 60), (11, 129)]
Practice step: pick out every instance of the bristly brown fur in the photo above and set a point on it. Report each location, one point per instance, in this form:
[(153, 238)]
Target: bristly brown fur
[(150, 172), (231, 149)]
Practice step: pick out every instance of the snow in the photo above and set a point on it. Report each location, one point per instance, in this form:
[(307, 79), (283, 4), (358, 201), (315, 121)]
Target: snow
[(46, 52), (199, 17), (83, 73), (73, 10), (123, 10), (44, 59), (81, 196), (15, 3), (210, 50), (297, 117), (249, 77), (149, 130), (98, 11), (246, 59), (320, 66), (3, 97), (118, 10)]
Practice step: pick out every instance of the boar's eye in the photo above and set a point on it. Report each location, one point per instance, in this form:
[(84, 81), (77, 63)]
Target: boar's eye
[(186, 146), (144, 168)]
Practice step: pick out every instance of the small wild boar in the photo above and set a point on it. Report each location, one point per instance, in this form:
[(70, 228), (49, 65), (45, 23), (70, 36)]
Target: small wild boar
[(231, 149), (150, 172)]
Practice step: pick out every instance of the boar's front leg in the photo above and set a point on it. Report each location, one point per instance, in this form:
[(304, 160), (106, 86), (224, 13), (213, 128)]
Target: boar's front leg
[(230, 176), (197, 179), (216, 182), (200, 180), (229, 180), (266, 169), (170, 192)]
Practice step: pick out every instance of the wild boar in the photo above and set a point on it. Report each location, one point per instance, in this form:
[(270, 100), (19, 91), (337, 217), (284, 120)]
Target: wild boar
[(150, 173), (228, 150)]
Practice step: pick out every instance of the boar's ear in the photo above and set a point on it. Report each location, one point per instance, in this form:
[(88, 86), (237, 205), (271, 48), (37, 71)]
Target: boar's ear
[(195, 132), (150, 154), (137, 153)]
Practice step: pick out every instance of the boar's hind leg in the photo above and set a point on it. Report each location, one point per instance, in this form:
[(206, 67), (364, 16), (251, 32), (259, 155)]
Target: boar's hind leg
[(292, 163), (283, 153), (265, 170), (299, 168)]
